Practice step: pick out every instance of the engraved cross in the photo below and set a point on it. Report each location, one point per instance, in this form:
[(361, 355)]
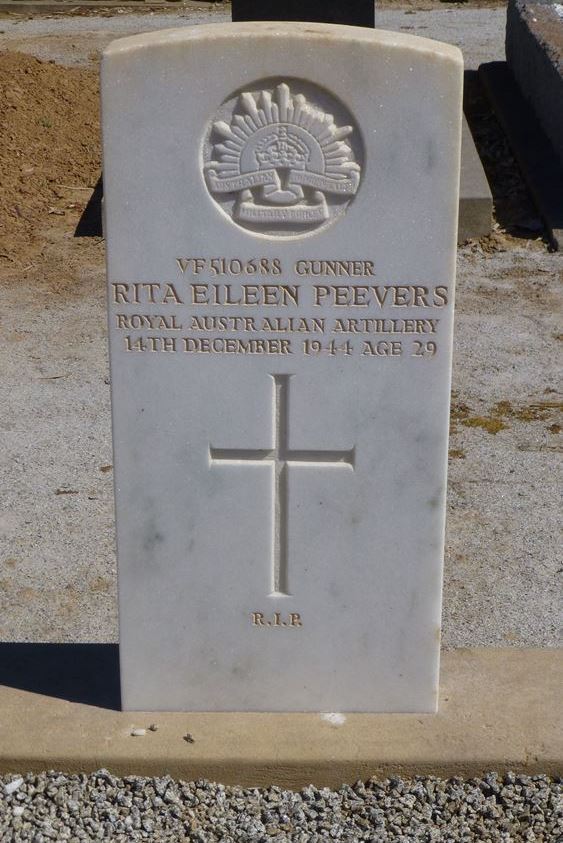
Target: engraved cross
[(279, 458)]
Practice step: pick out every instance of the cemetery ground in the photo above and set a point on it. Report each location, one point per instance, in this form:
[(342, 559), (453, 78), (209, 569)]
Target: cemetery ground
[(57, 563)]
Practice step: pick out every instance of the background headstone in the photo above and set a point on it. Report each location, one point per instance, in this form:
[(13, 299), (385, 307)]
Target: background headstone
[(281, 256), (526, 92), (352, 12), (534, 52)]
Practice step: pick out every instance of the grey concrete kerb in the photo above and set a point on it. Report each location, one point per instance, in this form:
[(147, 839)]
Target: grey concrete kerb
[(499, 709)]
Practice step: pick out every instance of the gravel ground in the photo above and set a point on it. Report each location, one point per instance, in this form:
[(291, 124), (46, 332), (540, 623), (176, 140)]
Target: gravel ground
[(479, 33), (57, 561), (57, 807)]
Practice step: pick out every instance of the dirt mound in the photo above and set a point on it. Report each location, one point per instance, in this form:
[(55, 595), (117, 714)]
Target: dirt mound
[(49, 149)]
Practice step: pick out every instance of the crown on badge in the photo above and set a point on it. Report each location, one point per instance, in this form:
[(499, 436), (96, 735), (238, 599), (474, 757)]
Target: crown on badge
[(282, 149), (277, 129)]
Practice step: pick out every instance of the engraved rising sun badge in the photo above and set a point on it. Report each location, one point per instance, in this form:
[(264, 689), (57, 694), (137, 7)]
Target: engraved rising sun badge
[(280, 164)]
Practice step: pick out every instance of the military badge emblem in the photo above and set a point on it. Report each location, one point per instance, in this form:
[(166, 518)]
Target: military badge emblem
[(284, 162)]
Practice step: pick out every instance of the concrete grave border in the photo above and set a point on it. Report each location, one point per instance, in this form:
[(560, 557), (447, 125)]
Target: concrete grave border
[(499, 710)]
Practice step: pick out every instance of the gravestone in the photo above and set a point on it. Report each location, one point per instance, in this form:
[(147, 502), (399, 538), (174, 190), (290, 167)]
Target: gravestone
[(352, 12), (281, 210), (534, 53)]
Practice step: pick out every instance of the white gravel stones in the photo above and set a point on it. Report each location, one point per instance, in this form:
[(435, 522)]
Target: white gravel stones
[(57, 807), (12, 786)]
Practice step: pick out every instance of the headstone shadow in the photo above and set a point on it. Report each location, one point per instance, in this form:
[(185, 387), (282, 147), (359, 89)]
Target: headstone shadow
[(90, 223), (515, 210), (82, 673)]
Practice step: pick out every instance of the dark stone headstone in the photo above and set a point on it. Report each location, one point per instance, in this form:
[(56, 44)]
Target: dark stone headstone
[(534, 52), (351, 12)]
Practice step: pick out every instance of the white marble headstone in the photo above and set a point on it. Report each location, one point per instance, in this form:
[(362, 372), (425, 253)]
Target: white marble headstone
[(281, 213)]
